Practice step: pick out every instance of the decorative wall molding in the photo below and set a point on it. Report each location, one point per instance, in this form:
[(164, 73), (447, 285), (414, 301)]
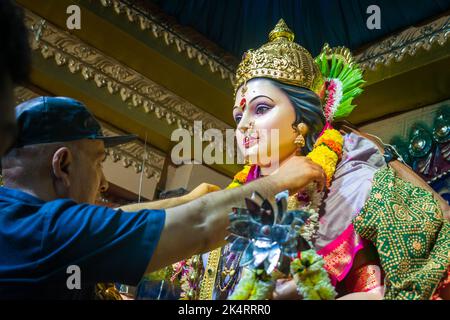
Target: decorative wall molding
[(407, 42), (164, 32), (133, 88), (396, 47), (135, 155), (23, 94), (131, 155)]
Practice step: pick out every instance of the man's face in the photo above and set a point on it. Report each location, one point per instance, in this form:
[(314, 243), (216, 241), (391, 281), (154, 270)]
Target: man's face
[(86, 174), (7, 115)]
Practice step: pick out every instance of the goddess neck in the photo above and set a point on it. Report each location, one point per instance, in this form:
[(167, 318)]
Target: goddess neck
[(268, 170)]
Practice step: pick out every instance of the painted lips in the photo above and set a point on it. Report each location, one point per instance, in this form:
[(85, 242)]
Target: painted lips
[(249, 141)]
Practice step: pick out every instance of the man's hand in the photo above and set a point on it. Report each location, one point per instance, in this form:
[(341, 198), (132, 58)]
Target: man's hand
[(201, 190), (297, 172)]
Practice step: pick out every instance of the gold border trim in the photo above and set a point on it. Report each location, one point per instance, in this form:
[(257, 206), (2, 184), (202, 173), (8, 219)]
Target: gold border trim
[(209, 278)]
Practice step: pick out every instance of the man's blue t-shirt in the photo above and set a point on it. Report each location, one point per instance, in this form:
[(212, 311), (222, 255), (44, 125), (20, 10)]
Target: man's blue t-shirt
[(40, 240)]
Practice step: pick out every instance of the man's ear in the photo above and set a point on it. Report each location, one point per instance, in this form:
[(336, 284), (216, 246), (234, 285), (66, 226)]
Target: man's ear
[(61, 161)]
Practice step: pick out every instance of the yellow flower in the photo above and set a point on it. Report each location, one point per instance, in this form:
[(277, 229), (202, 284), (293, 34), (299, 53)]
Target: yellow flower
[(331, 134), (240, 177), (233, 185), (327, 150), (326, 158)]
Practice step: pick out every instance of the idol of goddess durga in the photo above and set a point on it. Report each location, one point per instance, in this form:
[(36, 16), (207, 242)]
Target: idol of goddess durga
[(374, 233)]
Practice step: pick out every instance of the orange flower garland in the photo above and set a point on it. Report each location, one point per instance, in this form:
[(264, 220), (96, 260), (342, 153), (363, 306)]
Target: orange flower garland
[(328, 151)]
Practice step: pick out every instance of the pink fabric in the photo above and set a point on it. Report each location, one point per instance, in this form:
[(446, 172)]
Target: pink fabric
[(340, 253), (326, 127), (253, 174)]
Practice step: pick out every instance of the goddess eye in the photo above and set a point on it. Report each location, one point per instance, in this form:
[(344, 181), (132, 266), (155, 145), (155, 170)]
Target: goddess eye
[(262, 109), (237, 118)]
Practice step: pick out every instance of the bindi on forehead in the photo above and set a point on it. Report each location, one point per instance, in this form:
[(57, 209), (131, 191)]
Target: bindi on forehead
[(243, 104)]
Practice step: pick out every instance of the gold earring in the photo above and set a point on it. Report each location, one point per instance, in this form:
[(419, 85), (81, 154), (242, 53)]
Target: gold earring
[(302, 130)]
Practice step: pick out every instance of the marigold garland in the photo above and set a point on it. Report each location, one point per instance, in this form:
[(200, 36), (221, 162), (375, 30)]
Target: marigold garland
[(241, 176), (333, 146), (328, 151), (330, 134), (326, 158)]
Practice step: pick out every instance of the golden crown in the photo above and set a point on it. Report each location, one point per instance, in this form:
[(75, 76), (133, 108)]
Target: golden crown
[(280, 59)]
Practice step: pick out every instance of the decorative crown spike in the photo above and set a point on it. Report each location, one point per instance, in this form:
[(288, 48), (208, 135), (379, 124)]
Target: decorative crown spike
[(281, 30)]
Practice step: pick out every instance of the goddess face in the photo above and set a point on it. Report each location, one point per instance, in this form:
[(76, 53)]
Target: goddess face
[(263, 107)]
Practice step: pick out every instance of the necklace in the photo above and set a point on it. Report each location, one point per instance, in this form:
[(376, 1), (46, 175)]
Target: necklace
[(228, 269)]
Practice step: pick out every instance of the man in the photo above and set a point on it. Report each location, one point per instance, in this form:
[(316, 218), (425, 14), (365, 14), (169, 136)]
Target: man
[(14, 67), (47, 222)]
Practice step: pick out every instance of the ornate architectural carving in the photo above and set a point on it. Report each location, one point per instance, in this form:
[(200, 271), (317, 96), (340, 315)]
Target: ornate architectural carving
[(132, 87), (392, 48), (193, 50), (23, 94), (406, 42), (135, 155), (132, 155)]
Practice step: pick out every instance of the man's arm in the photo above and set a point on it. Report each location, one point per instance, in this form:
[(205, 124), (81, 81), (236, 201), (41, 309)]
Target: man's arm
[(199, 191), (201, 225)]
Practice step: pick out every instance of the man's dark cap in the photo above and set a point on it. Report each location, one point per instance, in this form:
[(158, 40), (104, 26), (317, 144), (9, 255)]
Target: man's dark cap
[(59, 119)]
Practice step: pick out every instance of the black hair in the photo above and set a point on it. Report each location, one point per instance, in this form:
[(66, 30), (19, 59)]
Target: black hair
[(15, 58), (308, 109)]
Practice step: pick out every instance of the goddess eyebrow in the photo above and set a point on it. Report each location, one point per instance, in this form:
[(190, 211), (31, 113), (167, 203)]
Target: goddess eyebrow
[(260, 96)]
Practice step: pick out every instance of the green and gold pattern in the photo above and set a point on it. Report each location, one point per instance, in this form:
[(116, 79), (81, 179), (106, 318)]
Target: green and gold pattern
[(406, 225)]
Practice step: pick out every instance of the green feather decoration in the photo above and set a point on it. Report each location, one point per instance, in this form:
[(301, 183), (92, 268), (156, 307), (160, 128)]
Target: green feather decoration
[(338, 64)]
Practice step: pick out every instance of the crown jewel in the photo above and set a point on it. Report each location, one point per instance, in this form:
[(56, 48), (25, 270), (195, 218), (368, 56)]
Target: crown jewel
[(281, 59)]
